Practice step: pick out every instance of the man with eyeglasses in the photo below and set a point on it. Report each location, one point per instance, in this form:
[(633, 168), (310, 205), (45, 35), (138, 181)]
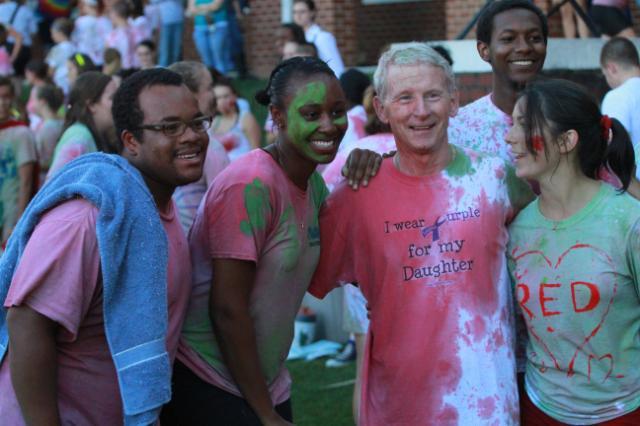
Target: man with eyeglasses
[(96, 279)]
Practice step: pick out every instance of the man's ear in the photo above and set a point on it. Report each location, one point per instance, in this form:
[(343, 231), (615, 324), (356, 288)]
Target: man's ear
[(129, 142), (484, 51), (278, 117), (455, 103), (380, 109)]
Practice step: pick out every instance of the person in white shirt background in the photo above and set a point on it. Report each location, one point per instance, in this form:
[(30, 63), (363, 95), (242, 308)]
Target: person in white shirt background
[(620, 64), (304, 13)]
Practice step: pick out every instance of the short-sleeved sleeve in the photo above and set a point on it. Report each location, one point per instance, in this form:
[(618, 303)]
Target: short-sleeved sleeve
[(58, 273), (239, 219), (336, 264)]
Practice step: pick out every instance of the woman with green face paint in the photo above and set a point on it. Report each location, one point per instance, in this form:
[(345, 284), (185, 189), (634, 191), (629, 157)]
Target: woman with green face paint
[(255, 245)]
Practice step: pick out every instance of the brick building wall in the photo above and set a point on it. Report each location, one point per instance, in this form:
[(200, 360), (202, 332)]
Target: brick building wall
[(382, 24), (363, 30)]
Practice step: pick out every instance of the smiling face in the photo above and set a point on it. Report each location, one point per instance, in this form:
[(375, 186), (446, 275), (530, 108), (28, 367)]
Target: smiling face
[(316, 118), (545, 156), (517, 49), (163, 160), (417, 105)]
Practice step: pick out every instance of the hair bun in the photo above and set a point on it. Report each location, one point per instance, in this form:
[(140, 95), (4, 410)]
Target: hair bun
[(262, 97)]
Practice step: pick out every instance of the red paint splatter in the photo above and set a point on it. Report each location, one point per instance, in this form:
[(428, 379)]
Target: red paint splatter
[(595, 330), (537, 142), (486, 407), (551, 329), (498, 338), (476, 327), (500, 173)]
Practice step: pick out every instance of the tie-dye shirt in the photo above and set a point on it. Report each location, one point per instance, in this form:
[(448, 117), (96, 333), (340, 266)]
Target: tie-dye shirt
[(253, 212), (428, 254), (17, 148), (74, 142), (481, 126), (577, 284)]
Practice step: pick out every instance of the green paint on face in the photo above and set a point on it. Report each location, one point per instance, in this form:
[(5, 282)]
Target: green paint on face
[(257, 205), (300, 129), (461, 164)]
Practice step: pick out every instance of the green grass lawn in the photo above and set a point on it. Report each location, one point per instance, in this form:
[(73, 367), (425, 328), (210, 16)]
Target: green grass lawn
[(321, 396)]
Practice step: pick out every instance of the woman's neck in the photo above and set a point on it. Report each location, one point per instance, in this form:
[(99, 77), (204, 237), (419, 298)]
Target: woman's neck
[(297, 168), (565, 193)]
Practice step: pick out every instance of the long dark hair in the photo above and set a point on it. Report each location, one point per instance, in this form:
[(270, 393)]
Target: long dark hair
[(560, 105), (86, 91)]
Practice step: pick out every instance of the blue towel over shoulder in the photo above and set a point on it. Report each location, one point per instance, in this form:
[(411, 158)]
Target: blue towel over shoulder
[(133, 258)]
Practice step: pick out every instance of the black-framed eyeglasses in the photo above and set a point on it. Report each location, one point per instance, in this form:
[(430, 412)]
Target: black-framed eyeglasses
[(177, 128)]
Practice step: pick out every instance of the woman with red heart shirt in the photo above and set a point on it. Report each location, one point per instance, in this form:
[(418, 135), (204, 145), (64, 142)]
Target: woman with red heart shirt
[(574, 257)]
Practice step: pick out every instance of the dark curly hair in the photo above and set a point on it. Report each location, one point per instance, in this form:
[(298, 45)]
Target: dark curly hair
[(485, 22), (283, 74), (125, 109)]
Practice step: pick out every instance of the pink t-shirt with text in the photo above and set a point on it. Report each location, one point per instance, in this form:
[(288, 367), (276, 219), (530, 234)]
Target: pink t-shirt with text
[(59, 277), (429, 256)]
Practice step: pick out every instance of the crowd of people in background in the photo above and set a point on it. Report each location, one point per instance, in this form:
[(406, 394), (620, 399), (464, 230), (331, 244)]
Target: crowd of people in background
[(156, 250)]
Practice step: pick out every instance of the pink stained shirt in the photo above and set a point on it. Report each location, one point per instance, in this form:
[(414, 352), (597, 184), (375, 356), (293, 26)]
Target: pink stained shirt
[(429, 255), (253, 212), (59, 277)]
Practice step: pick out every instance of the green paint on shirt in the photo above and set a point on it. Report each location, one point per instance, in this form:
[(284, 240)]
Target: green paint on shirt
[(461, 164), (257, 205)]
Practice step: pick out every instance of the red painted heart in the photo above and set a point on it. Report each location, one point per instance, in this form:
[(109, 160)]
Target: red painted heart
[(524, 288)]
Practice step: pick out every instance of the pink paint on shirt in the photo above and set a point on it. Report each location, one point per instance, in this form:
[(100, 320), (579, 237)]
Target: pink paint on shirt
[(431, 265), (253, 212), (59, 277)]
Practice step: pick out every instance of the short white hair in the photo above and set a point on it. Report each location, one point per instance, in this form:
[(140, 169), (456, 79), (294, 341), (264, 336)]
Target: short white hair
[(414, 53)]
